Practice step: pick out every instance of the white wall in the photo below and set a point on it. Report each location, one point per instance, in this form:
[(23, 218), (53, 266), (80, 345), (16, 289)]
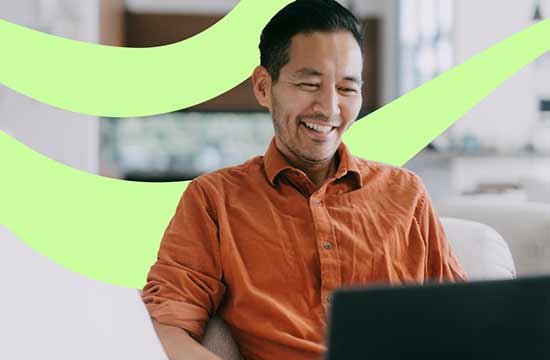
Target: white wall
[(67, 137), (505, 119)]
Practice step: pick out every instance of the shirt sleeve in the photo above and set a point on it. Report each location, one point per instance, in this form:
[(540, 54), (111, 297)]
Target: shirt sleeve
[(442, 263), (184, 286)]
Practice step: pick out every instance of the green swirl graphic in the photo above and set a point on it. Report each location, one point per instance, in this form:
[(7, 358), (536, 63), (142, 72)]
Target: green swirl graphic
[(398, 131), (123, 82), (110, 230)]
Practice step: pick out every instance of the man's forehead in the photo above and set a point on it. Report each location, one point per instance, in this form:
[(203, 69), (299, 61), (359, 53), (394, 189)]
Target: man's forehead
[(326, 38), (311, 54)]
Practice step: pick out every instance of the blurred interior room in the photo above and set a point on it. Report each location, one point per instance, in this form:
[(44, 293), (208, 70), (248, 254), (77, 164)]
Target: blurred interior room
[(492, 166)]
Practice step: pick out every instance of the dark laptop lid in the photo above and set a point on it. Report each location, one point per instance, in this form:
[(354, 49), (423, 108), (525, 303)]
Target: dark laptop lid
[(505, 319)]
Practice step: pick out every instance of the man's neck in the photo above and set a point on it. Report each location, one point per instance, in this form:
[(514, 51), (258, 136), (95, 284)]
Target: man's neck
[(318, 173)]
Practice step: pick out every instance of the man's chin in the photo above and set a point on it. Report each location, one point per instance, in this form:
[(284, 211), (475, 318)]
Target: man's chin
[(316, 158)]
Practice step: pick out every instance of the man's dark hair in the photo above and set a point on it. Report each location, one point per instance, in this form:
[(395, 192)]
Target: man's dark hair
[(302, 16)]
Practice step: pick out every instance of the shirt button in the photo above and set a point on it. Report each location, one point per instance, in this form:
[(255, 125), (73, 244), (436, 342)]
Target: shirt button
[(327, 245), (328, 299), (317, 202)]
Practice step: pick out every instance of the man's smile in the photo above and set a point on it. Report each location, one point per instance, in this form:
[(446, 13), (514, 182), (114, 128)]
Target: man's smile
[(318, 127), (317, 131)]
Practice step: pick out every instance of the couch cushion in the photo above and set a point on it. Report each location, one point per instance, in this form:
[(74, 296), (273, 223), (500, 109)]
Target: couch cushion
[(480, 249), (218, 339)]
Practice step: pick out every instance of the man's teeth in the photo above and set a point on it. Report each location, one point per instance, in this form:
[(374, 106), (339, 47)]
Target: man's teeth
[(317, 127)]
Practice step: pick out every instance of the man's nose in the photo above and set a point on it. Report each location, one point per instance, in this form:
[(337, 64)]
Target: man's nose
[(328, 102)]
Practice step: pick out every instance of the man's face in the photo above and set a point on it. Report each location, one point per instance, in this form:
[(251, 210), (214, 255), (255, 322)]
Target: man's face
[(317, 95)]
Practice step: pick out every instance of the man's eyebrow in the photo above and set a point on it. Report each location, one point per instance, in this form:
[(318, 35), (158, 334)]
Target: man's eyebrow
[(314, 72), (354, 79), (308, 72)]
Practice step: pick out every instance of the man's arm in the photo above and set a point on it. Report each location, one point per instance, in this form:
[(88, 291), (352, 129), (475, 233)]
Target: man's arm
[(184, 285), (179, 345)]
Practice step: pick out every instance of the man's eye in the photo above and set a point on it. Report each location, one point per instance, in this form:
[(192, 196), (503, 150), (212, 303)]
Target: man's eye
[(348, 90), (308, 86)]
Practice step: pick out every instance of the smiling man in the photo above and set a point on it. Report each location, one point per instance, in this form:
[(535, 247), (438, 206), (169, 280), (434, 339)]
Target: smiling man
[(314, 98), (264, 243)]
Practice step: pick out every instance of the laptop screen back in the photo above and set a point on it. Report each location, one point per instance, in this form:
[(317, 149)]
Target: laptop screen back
[(506, 319)]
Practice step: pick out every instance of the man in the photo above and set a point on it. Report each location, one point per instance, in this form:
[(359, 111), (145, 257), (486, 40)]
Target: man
[(265, 243)]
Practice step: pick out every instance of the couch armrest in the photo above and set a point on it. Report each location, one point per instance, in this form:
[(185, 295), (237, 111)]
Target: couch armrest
[(482, 252)]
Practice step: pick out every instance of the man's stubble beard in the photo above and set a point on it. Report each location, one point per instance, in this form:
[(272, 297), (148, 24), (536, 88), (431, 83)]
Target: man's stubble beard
[(288, 144)]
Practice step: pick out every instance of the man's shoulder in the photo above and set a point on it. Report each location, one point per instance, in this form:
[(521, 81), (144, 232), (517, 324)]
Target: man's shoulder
[(388, 174), (230, 176)]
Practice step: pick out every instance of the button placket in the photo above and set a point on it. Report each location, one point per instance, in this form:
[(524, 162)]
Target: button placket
[(328, 256)]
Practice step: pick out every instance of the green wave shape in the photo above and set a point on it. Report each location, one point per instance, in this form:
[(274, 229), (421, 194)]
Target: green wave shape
[(124, 82), (110, 229), (396, 132)]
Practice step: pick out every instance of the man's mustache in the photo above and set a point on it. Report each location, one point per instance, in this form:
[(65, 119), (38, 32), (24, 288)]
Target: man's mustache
[(320, 118)]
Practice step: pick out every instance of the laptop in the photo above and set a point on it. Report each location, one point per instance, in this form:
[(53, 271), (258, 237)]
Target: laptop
[(503, 319)]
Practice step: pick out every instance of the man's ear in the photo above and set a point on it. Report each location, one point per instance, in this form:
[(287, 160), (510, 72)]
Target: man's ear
[(261, 82)]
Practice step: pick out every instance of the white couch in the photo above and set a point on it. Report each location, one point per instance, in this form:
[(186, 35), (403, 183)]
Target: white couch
[(480, 249), (524, 225), (49, 312)]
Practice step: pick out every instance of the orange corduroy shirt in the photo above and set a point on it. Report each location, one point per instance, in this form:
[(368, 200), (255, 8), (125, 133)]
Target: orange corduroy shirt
[(262, 246)]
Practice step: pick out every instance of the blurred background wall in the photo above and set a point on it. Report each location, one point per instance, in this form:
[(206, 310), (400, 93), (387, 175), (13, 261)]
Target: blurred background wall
[(498, 148)]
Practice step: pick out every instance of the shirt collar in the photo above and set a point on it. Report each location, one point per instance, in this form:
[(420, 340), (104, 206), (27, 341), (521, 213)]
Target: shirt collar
[(275, 163)]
